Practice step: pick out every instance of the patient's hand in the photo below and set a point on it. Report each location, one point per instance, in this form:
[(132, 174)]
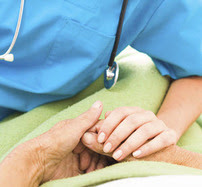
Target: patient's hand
[(56, 154)]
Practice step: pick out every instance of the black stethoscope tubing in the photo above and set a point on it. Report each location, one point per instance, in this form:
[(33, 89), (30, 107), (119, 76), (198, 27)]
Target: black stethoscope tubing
[(118, 34)]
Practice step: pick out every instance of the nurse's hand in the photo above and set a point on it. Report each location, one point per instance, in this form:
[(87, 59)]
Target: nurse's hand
[(56, 154), (172, 154), (133, 130)]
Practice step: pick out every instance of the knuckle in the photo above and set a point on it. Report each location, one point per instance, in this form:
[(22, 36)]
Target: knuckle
[(162, 124), (173, 136), (127, 147), (132, 119), (121, 110), (60, 124), (114, 139), (165, 140), (138, 109), (144, 132), (150, 113), (172, 133), (117, 112), (107, 113), (146, 148)]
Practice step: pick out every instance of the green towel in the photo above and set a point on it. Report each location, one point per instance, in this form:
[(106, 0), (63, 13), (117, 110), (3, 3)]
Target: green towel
[(140, 84)]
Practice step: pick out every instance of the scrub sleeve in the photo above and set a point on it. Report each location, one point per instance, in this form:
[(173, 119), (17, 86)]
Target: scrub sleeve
[(173, 38)]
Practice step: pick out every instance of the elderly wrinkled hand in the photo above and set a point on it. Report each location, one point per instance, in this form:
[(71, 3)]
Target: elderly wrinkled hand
[(58, 153)]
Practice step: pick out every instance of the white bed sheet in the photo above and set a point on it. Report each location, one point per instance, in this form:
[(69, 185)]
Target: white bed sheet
[(158, 181)]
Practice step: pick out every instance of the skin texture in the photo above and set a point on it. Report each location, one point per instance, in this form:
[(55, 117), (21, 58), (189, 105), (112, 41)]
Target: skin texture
[(60, 152), (182, 105), (142, 132), (134, 127), (172, 154), (53, 156)]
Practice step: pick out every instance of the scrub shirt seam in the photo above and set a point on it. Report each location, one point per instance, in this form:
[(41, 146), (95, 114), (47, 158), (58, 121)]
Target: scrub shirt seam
[(55, 37), (146, 25)]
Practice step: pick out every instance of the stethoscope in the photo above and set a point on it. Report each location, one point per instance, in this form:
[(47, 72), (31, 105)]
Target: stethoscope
[(8, 56), (111, 72)]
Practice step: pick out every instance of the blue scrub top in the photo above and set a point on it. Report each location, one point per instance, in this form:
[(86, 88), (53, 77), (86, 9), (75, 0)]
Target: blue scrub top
[(65, 45)]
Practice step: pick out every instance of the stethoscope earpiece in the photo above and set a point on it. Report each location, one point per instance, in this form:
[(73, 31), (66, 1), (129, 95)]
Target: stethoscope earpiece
[(9, 57)]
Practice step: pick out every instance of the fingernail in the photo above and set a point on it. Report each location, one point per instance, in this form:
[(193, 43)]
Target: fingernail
[(137, 153), (117, 154), (97, 104), (101, 137), (88, 138), (107, 147)]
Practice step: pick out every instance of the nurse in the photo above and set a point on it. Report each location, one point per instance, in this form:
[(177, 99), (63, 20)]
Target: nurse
[(65, 45)]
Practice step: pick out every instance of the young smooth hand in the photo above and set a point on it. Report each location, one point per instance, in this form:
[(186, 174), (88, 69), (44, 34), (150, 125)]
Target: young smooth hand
[(133, 130), (172, 154)]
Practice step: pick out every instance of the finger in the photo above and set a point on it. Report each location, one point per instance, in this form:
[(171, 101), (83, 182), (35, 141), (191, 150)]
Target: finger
[(93, 163), (79, 148), (126, 127), (89, 118), (85, 160), (102, 162), (74, 129), (113, 120), (163, 140), (107, 114), (96, 127), (89, 139), (137, 139)]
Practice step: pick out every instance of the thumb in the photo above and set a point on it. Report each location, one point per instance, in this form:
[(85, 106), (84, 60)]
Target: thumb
[(87, 120), (67, 133)]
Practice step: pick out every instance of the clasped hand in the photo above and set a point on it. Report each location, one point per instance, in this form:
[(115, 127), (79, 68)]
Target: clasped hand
[(84, 144)]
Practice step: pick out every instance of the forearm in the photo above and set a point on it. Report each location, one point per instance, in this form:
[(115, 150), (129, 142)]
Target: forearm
[(182, 105)]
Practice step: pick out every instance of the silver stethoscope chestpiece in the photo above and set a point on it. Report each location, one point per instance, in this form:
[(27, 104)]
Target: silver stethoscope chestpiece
[(112, 71), (111, 75)]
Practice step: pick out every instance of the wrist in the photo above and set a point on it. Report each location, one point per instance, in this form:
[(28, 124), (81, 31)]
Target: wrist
[(21, 167), (174, 155), (168, 155), (33, 162), (171, 123)]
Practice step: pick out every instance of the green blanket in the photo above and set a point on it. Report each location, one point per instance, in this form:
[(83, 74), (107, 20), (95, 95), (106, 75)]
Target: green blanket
[(140, 84)]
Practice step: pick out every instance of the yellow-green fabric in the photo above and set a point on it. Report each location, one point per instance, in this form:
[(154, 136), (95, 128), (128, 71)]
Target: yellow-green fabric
[(140, 84)]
